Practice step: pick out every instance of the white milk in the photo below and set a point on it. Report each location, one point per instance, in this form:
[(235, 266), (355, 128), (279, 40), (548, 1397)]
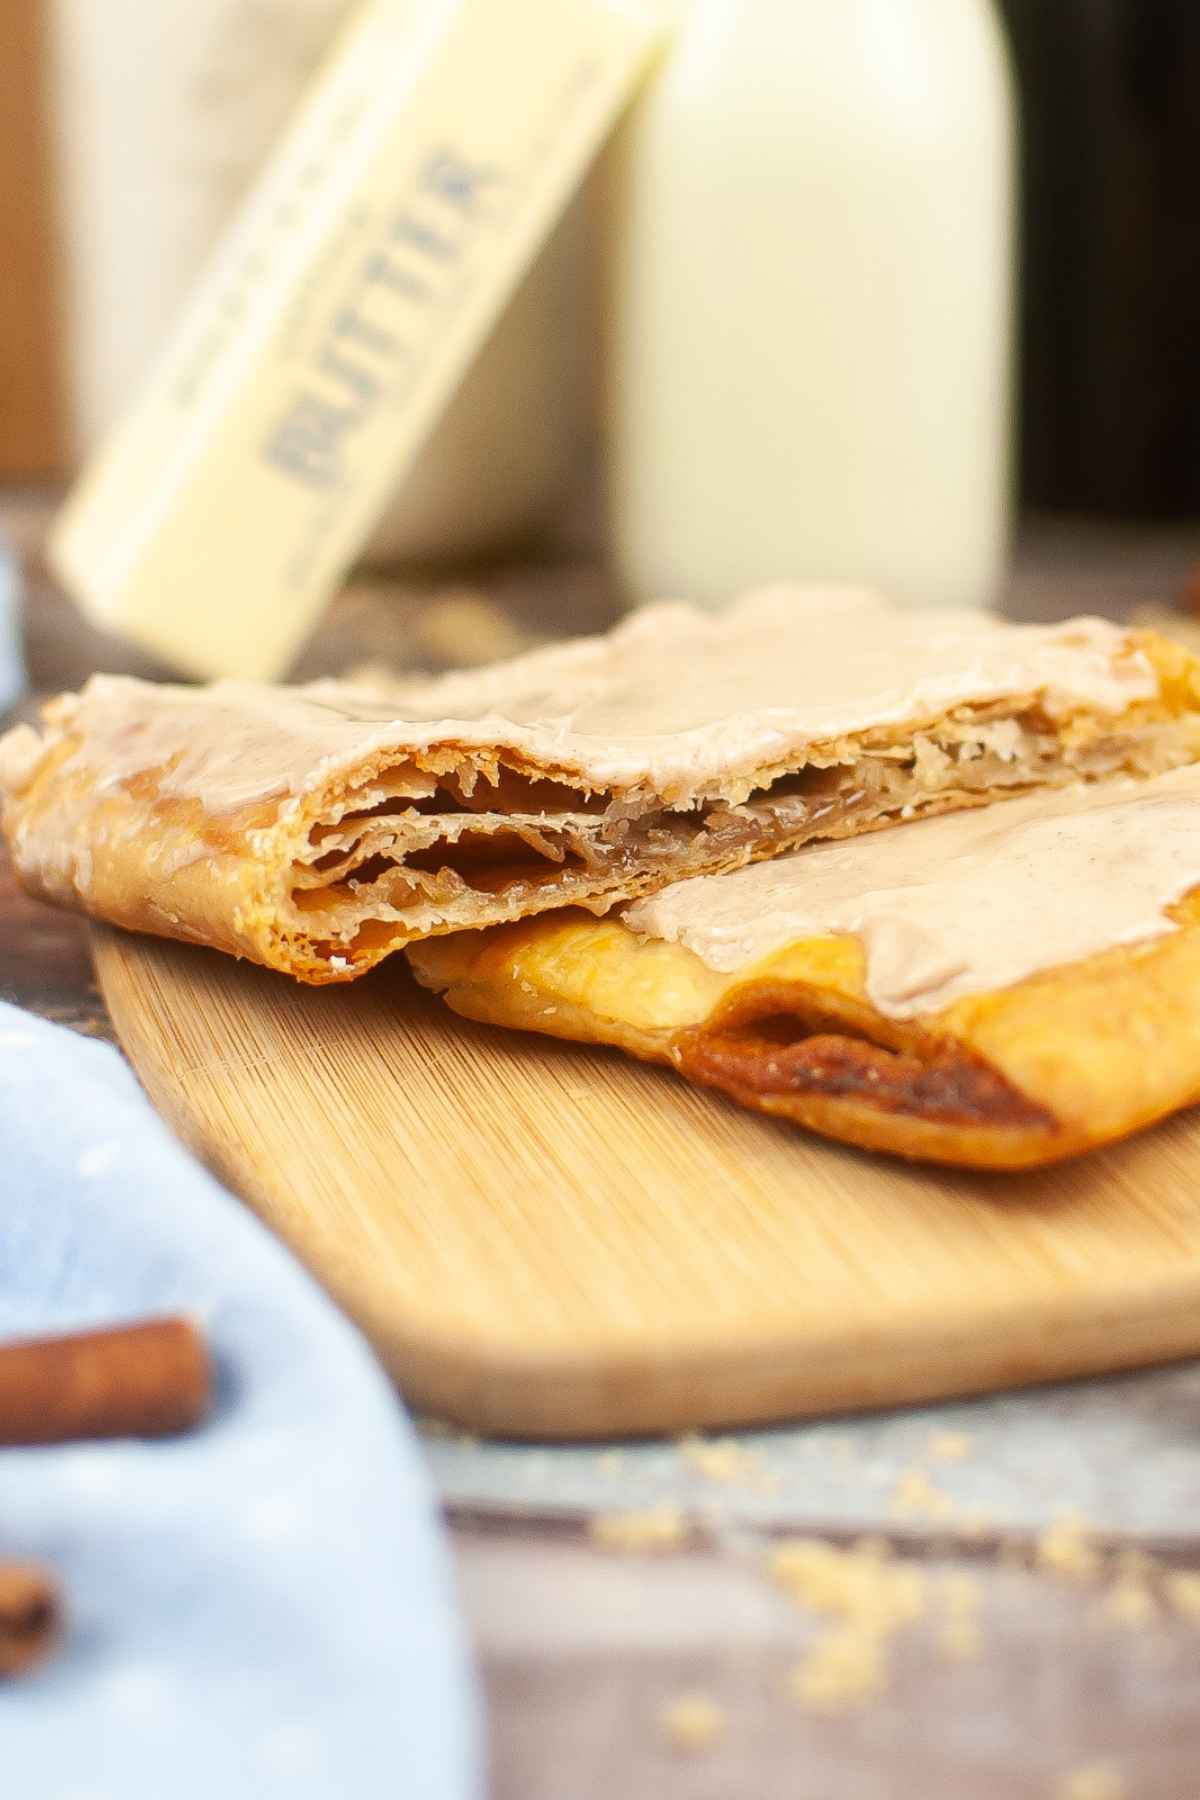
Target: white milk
[(810, 248)]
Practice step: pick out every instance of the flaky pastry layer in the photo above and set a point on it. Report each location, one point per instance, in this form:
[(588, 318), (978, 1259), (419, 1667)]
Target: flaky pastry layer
[(1070, 1059), (317, 830)]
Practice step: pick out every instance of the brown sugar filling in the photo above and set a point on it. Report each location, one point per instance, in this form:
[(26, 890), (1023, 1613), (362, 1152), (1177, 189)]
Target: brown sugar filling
[(419, 850), (774, 1039), (947, 1087)]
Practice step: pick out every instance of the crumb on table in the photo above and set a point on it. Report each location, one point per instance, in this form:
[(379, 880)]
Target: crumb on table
[(949, 1446), (725, 1460), (845, 1667), (651, 1528), (1066, 1549), (1129, 1602), (1094, 1781), (692, 1723), (865, 1596), (914, 1493), (1182, 1589)]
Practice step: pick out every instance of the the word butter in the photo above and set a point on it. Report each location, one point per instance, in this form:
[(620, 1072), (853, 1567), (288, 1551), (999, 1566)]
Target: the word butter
[(337, 319)]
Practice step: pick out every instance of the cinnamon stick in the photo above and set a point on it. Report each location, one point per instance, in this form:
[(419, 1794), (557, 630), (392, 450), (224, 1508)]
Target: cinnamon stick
[(30, 1616), (141, 1380)]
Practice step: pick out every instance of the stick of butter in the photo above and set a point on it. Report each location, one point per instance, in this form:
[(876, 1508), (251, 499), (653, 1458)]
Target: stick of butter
[(339, 313)]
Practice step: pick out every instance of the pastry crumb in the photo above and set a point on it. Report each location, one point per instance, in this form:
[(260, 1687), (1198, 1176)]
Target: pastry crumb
[(914, 1493), (949, 1446), (1066, 1549), (652, 1528), (692, 1723), (866, 1596), (844, 1668), (861, 1583), (1095, 1781), (1129, 1602), (1182, 1589), (725, 1460)]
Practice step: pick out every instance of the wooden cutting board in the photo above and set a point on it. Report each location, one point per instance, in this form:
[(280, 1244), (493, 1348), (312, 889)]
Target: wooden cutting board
[(542, 1239)]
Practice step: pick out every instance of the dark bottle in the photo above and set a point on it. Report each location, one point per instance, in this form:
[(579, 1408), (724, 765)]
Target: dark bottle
[(1110, 287)]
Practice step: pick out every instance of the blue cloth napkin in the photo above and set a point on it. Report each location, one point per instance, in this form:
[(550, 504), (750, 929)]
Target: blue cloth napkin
[(12, 668), (262, 1607)]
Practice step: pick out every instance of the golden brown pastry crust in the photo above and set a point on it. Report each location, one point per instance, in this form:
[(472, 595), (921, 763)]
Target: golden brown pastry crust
[(318, 830), (1060, 1063)]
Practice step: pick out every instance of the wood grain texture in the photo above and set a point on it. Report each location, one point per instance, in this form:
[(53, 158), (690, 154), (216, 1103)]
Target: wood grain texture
[(31, 422), (542, 1239), (581, 1653)]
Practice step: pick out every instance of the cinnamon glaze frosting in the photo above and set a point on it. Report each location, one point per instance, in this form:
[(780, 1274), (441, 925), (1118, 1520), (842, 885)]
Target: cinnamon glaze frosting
[(960, 904), (673, 701)]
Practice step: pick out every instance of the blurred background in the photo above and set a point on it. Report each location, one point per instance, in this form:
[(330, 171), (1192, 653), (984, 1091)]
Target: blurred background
[(128, 134)]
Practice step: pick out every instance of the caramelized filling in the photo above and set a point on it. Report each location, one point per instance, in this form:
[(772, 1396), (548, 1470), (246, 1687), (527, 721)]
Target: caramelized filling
[(943, 1085), (417, 842)]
